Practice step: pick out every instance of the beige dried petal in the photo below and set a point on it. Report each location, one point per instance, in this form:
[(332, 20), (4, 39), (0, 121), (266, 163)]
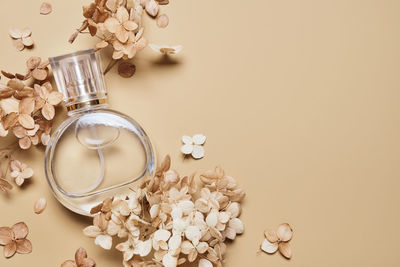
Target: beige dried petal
[(162, 234), (27, 105), (192, 255), (202, 247), (284, 232), (10, 249), (212, 218), (24, 246), (39, 74), (20, 230), (112, 5), (27, 41), (6, 235), (130, 25), (162, 21), (87, 262), (198, 152), (92, 231), (45, 8), (122, 14), (285, 249), (121, 34), (15, 33), (117, 54), (80, 255), (112, 24), (54, 98), (152, 8), (24, 143), (69, 263), (101, 45), (271, 236), (33, 62), (48, 111), (40, 205), (19, 45), (26, 121), (126, 69), (141, 43), (269, 247)]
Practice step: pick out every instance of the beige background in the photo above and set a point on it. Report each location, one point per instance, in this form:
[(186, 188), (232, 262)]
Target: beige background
[(298, 99)]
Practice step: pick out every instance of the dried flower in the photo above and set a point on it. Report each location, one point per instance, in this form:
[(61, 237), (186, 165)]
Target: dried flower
[(193, 145), (45, 8), (40, 205), (14, 239), (118, 23), (166, 49), (81, 260), (121, 25), (37, 68), (20, 172), (161, 218), (125, 69), (46, 99), (22, 38), (278, 240)]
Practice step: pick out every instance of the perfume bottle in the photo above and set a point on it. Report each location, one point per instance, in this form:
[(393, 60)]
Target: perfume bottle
[(97, 152)]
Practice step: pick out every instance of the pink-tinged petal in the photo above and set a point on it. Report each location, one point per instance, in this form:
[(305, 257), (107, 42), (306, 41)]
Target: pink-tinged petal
[(111, 24)]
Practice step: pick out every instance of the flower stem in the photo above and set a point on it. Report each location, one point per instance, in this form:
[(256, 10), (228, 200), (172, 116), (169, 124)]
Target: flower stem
[(110, 65)]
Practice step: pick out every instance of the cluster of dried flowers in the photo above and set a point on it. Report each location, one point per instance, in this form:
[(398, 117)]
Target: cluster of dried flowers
[(118, 24), (26, 110), (81, 260), (278, 240), (14, 239), (164, 223)]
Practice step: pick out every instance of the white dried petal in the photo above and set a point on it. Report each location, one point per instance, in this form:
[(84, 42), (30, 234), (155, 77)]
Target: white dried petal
[(187, 140), (230, 233), (187, 246), (193, 234), (162, 234), (237, 225), (186, 206), (9, 105), (187, 149), (205, 263), (202, 247), (154, 211), (223, 217), (104, 241), (269, 247), (143, 248), (199, 139), (169, 260), (212, 218), (198, 152), (174, 243), (40, 205), (234, 209), (152, 8)]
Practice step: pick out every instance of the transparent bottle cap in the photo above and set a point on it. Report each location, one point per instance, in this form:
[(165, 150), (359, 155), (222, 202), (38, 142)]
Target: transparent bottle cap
[(79, 77)]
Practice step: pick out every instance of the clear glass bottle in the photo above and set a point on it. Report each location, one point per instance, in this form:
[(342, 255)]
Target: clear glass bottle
[(97, 152)]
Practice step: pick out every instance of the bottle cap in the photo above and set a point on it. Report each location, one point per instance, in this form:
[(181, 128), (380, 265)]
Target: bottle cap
[(79, 77)]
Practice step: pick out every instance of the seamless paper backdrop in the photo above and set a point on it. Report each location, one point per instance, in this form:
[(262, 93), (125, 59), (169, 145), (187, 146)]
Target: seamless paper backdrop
[(299, 101)]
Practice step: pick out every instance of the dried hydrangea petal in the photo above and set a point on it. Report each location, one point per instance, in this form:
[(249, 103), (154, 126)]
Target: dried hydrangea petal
[(162, 21), (10, 249), (104, 241), (199, 139), (6, 235), (45, 8), (285, 249), (15, 33), (269, 247), (198, 152), (20, 230), (24, 246), (187, 149), (126, 69), (284, 232), (40, 205), (205, 263), (152, 8)]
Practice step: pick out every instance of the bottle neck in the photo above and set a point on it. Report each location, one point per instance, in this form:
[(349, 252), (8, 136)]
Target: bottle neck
[(86, 106)]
